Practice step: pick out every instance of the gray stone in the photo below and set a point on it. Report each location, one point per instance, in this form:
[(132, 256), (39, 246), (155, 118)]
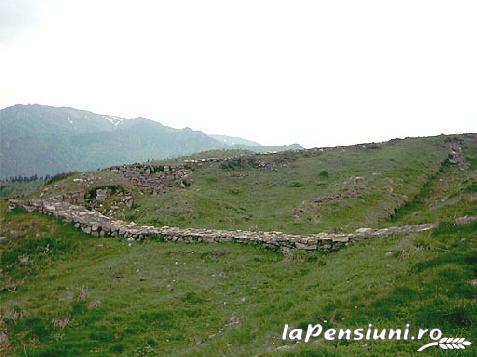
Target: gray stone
[(3, 338), (101, 194), (97, 224), (364, 230), (128, 201)]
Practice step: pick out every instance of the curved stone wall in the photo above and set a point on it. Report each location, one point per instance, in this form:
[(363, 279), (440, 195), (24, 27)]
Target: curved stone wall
[(97, 224)]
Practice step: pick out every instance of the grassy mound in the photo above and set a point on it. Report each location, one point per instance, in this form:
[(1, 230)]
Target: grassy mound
[(339, 189)]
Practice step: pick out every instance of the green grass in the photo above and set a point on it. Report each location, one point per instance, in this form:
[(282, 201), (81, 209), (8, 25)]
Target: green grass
[(471, 187), (418, 202), (299, 196), (470, 152), (339, 190), (98, 296), (218, 153), (10, 189), (63, 293), (448, 193)]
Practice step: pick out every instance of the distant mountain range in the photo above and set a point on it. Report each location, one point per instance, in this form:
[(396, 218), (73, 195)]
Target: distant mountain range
[(44, 140), (233, 140)]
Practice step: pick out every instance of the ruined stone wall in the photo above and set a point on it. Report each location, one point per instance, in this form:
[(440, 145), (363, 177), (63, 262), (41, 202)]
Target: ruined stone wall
[(154, 179), (97, 224)]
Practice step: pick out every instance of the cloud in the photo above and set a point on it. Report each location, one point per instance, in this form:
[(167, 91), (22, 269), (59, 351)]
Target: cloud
[(17, 17)]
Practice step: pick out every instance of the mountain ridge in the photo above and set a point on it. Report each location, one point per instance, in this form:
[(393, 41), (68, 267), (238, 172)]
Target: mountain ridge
[(234, 140), (44, 140)]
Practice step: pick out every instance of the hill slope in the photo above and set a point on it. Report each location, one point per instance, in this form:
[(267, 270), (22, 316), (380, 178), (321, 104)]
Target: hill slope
[(66, 293), (74, 295), (309, 191)]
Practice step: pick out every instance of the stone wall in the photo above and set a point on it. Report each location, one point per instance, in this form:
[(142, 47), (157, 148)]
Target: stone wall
[(154, 179), (97, 224)]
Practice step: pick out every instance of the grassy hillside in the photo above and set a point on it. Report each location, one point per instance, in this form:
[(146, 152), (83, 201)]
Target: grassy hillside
[(449, 193), (338, 189), (9, 189), (219, 154), (63, 293)]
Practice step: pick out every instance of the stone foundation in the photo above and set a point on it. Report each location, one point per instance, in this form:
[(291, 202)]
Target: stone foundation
[(154, 179), (99, 225)]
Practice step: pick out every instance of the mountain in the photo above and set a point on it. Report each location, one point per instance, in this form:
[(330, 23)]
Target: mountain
[(21, 121), (37, 139), (237, 143), (233, 140), (45, 140), (267, 149)]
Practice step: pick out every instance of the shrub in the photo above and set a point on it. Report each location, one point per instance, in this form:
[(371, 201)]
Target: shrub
[(324, 174), (60, 176), (192, 298)]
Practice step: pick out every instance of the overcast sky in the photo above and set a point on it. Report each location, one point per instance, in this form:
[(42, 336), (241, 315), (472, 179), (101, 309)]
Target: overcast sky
[(318, 73)]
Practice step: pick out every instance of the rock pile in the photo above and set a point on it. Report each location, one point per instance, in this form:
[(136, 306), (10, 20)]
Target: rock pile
[(456, 155), (107, 199), (97, 224), (75, 198), (154, 179), (354, 187)]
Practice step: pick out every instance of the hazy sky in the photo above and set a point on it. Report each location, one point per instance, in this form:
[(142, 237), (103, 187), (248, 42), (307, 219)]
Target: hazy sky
[(313, 72)]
